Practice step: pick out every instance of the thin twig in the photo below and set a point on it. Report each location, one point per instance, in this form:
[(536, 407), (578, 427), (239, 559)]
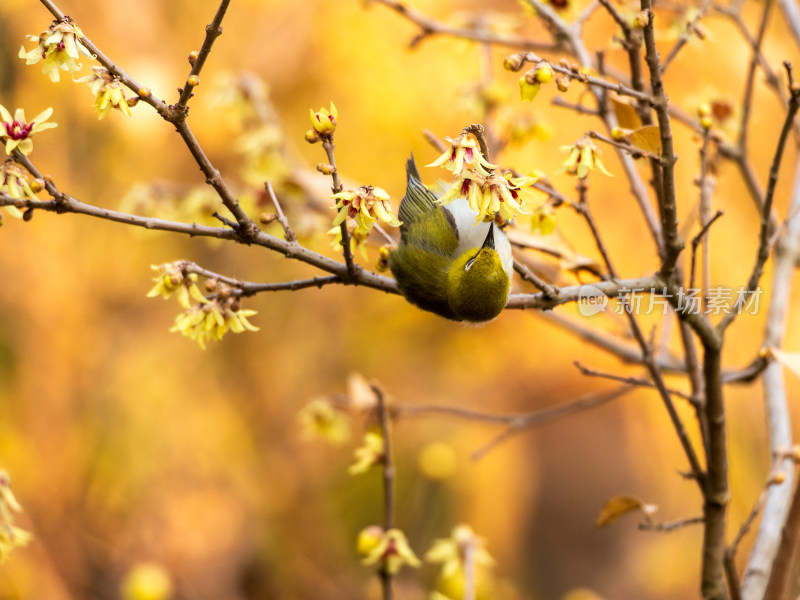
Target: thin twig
[(549, 291), (629, 380), (543, 416), (670, 526), (696, 242), (337, 187), (429, 27), (691, 27), (388, 482), (213, 31), (287, 230)]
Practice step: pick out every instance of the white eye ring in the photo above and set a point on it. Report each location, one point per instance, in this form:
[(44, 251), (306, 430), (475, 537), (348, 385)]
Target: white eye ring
[(469, 263)]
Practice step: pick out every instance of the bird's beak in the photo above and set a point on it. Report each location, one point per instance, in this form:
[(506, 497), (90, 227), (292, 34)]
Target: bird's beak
[(489, 241)]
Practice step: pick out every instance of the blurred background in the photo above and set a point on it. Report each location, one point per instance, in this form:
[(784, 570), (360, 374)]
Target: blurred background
[(129, 445)]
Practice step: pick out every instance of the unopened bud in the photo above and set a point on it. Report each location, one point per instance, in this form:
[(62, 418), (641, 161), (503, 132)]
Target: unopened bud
[(562, 83), (144, 92), (132, 101), (312, 137), (267, 218), (193, 57), (513, 62), (193, 81), (211, 285), (37, 185), (27, 215), (704, 110), (642, 20), (368, 539), (617, 133), (544, 73), (777, 479), (325, 168), (563, 63), (705, 122)]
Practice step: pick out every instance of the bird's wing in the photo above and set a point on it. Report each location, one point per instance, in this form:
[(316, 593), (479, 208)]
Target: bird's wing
[(418, 201)]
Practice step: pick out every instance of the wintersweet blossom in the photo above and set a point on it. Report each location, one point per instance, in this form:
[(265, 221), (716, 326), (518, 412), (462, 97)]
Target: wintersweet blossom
[(14, 183), (212, 320), (368, 455), (366, 206), (108, 92), (59, 47), (17, 132), (463, 153), (390, 547), (584, 156), (320, 419), (324, 121), (170, 280)]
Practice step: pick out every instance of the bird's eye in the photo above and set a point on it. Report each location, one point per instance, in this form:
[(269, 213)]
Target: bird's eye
[(469, 263)]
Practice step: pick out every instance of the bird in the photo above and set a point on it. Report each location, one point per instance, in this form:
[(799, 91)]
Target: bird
[(446, 262)]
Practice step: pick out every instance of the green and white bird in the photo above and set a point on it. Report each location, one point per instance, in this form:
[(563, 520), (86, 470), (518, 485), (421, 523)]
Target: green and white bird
[(446, 263)]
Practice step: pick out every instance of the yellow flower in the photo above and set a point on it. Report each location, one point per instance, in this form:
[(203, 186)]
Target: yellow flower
[(451, 553), (502, 194), (11, 537), (368, 455), (393, 550), (366, 205), (59, 47), (324, 121), (584, 156), (17, 132), (14, 183), (544, 219), (319, 418), (211, 321), (172, 280), (358, 241), (463, 153), (108, 91), (147, 581), (528, 87), (469, 186)]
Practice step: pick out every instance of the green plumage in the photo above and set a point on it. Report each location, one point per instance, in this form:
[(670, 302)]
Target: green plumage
[(430, 271)]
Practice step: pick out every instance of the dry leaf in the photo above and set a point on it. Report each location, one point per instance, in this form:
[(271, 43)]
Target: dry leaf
[(557, 245), (790, 360), (619, 505), (647, 139), (627, 117)]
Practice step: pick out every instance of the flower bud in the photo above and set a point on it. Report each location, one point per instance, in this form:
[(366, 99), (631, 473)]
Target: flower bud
[(312, 137), (642, 20), (513, 62), (368, 539), (544, 73), (144, 92), (562, 83), (37, 185), (193, 81), (267, 218), (325, 168), (617, 133), (193, 57)]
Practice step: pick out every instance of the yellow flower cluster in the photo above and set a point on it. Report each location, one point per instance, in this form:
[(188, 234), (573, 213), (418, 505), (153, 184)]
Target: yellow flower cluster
[(212, 317), (365, 205), (211, 321), (487, 192), (108, 92), (59, 47), (14, 183), (17, 132), (584, 156), (11, 537)]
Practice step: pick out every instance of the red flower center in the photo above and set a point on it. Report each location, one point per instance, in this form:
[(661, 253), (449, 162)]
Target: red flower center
[(18, 131)]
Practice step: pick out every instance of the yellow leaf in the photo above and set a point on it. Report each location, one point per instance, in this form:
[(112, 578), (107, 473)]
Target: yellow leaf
[(627, 117), (790, 360), (619, 505), (648, 139)]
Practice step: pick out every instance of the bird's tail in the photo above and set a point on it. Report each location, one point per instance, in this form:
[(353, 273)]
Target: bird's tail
[(418, 200)]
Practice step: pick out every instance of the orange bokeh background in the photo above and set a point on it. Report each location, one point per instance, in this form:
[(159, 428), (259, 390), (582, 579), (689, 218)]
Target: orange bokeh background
[(126, 443)]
